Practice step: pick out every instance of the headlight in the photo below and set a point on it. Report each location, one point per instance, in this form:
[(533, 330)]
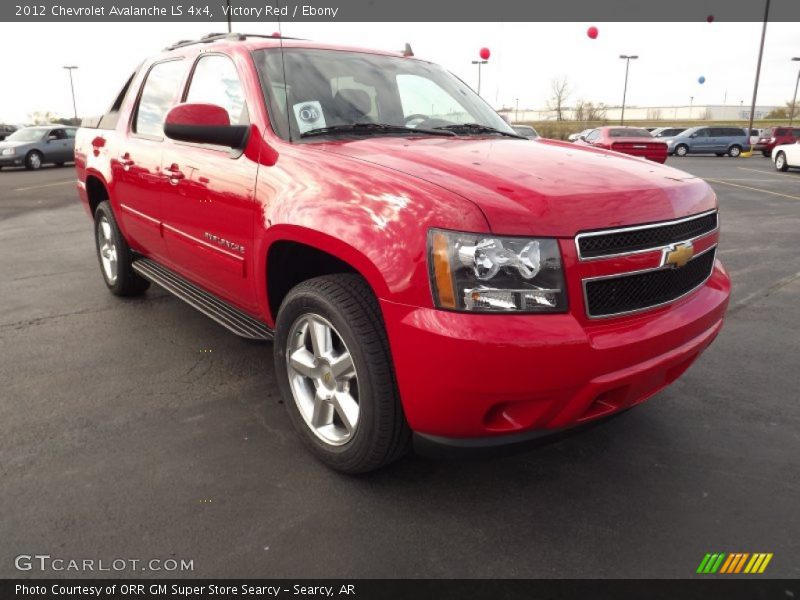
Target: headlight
[(7, 152), (485, 273)]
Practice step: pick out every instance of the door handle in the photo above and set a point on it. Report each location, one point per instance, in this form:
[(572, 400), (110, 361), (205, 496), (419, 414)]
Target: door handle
[(174, 174), (126, 161)]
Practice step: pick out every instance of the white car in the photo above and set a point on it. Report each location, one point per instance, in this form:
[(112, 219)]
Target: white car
[(786, 155), (573, 137)]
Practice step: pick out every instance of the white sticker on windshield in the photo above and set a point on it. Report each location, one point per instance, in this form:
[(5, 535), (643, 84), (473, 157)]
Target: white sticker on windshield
[(309, 115)]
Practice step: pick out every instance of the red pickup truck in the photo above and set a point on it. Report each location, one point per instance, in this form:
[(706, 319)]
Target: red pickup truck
[(424, 272)]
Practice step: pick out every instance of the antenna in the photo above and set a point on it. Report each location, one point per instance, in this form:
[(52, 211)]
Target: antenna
[(285, 82)]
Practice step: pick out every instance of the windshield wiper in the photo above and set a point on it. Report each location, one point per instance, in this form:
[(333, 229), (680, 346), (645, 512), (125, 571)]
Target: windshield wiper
[(469, 128), (370, 128)]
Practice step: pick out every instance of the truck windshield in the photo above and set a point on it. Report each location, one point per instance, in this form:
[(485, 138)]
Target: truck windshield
[(324, 91)]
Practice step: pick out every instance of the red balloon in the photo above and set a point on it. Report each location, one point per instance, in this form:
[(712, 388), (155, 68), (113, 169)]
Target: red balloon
[(485, 54), (592, 32), (710, 18), (276, 34)]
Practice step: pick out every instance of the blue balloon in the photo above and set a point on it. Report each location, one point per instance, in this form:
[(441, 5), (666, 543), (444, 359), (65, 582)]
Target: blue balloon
[(701, 79)]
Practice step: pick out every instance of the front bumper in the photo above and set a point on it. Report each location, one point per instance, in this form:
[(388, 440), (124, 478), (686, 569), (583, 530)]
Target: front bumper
[(506, 376), (12, 160)]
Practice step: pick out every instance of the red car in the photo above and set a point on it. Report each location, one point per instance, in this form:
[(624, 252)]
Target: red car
[(776, 137), (635, 141), (420, 267)]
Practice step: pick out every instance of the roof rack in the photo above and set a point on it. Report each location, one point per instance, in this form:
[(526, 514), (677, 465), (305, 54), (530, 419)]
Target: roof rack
[(231, 37)]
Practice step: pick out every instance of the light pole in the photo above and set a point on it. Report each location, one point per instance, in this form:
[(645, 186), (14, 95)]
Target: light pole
[(72, 87), (628, 58), (516, 114), (758, 70), (794, 99), (479, 63), (691, 103)]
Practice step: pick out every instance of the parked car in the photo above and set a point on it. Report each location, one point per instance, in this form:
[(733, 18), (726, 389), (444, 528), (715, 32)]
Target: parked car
[(574, 137), (755, 135), (635, 141), (710, 140), (35, 146), (526, 131), (776, 136), (786, 156), (667, 132), (6, 130), (420, 267)]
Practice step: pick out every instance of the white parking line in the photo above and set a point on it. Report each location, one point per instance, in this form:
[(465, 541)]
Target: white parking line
[(773, 173), (44, 185), (747, 187)]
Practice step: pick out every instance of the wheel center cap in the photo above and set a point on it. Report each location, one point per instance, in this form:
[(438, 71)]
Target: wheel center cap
[(328, 379)]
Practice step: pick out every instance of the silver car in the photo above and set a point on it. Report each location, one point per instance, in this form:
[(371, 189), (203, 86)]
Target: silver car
[(35, 146)]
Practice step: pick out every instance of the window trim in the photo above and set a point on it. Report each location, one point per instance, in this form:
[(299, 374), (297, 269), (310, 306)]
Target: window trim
[(135, 112)]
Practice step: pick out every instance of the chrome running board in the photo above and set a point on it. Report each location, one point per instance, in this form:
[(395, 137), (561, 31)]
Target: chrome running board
[(223, 313)]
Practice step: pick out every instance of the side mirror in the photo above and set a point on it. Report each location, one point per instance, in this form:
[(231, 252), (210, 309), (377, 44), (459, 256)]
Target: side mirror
[(204, 124)]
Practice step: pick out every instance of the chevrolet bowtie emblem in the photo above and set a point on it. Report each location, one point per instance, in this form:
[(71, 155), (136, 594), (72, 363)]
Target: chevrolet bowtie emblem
[(677, 255)]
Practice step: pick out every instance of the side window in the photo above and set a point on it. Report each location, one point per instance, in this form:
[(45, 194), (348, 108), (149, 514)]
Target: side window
[(701, 133), (215, 81), (59, 134), (796, 134), (420, 95), (593, 135), (71, 133), (158, 95)]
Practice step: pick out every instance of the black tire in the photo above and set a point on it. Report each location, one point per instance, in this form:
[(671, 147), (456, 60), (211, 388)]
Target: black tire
[(681, 150), (346, 301), (34, 160), (765, 153), (780, 162), (734, 151), (126, 282)]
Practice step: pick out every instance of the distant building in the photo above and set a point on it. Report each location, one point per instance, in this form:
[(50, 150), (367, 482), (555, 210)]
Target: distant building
[(706, 112)]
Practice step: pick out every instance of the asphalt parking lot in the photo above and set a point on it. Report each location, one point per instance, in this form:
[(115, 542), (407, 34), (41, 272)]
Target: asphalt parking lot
[(140, 429)]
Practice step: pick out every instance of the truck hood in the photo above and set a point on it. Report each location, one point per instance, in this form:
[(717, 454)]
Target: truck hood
[(546, 188)]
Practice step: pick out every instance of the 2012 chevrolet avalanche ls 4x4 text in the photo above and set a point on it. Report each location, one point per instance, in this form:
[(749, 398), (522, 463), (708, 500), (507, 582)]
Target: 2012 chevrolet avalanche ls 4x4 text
[(424, 270)]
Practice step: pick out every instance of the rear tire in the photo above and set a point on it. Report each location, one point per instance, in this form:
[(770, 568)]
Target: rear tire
[(681, 150), (34, 160), (115, 256), (349, 416), (734, 151), (780, 162)]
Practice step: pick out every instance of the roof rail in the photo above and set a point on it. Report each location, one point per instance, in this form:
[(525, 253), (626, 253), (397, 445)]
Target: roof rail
[(231, 37)]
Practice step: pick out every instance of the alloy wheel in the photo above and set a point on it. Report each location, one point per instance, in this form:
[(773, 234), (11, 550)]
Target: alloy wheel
[(107, 249), (323, 379)]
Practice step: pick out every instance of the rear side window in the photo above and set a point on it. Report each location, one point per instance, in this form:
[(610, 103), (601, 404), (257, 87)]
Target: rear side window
[(71, 133), (215, 81), (796, 134), (59, 134), (158, 95), (780, 132)]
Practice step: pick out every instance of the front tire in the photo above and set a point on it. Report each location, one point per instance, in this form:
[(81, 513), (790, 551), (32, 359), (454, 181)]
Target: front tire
[(681, 150), (780, 162), (734, 151), (335, 373), (34, 160), (114, 255)]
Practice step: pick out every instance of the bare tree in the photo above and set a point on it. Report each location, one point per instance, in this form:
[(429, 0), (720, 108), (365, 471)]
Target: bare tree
[(42, 117), (653, 114), (561, 91)]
